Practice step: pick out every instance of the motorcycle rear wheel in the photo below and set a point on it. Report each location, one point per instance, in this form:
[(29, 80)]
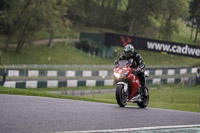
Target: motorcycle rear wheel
[(121, 96), (145, 99)]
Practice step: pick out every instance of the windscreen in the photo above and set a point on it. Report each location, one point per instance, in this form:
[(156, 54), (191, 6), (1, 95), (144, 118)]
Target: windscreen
[(122, 63)]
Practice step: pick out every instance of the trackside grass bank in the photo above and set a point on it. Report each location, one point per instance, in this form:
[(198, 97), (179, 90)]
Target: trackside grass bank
[(14, 91), (61, 53), (66, 54), (72, 88), (175, 97)]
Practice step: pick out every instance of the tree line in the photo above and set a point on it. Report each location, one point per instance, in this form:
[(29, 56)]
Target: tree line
[(23, 18), (146, 18)]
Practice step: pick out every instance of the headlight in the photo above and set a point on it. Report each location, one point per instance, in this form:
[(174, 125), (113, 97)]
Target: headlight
[(117, 75)]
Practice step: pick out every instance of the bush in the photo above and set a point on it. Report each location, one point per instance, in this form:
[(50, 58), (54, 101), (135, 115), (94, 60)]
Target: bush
[(87, 46)]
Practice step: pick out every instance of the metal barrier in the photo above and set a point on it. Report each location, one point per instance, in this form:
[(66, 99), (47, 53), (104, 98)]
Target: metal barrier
[(42, 76), (89, 72), (76, 83)]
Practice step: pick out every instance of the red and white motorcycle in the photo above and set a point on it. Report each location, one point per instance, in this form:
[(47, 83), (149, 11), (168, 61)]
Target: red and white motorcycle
[(129, 86)]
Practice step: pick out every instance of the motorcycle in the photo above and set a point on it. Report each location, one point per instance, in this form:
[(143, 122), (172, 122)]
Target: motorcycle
[(128, 85)]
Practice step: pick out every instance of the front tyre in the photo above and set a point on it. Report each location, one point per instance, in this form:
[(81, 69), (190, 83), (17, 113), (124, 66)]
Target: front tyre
[(121, 96), (145, 99)]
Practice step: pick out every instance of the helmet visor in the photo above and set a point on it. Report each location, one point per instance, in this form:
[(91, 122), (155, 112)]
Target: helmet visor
[(128, 53)]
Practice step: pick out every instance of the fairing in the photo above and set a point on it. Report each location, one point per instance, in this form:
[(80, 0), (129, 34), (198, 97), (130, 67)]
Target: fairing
[(132, 80)]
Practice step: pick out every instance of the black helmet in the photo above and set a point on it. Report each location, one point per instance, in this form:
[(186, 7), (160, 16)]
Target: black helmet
[(128, 50)]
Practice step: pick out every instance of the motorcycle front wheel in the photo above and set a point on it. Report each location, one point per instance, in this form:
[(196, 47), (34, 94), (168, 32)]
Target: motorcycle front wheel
[(145, 99), (121, 96)]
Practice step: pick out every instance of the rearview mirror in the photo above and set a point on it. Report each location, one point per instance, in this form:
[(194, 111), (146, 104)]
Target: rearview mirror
[(116, 62)]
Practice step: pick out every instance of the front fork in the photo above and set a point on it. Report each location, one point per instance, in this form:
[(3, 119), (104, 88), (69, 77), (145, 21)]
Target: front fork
[(124, 90)]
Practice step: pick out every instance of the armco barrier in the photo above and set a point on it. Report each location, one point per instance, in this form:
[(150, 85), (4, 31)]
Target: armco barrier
[(75, 83), (88, 73), (55, 73)]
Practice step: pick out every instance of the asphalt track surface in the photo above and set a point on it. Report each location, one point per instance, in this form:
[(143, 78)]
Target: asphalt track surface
[(29, 114)]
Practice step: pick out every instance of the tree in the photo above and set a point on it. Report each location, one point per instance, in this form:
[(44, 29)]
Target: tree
[(98, 13), (55, 17), (21, 19), (139, 14), (194, 17), (172, 10), (25, 17), (8, 19), (4, 5), (78, 11)]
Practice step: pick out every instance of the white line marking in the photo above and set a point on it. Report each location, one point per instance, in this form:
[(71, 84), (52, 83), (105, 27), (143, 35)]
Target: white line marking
[(130, 129)]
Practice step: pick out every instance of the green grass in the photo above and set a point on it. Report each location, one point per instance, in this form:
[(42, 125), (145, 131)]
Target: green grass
[(159, 59), (72, 88), (174, 97), (67, 54), (60, 54), (14, 91), (177, 98)]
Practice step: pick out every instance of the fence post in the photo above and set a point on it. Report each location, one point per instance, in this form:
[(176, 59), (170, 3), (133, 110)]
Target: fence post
[(45, 72), (24, 74), (4, 77), (198, 77)]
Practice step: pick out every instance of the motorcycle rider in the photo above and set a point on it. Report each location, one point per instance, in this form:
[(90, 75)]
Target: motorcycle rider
[(130, 53)]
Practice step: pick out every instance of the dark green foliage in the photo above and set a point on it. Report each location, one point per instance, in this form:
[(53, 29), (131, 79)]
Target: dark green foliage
[(21, 19), (101, 13), (83, 45), (87, 46), (172, 11), (133, 16), (194, 17)]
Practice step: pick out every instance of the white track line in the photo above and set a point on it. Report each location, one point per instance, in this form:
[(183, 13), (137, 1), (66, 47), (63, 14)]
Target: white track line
[(130, 129)]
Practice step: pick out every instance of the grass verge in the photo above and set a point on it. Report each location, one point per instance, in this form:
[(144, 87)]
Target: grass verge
[(175, 97), (72, 88), (26, 92)]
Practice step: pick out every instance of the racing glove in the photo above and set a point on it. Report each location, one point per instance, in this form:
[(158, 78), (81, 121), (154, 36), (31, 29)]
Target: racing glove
[(139, 70)]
